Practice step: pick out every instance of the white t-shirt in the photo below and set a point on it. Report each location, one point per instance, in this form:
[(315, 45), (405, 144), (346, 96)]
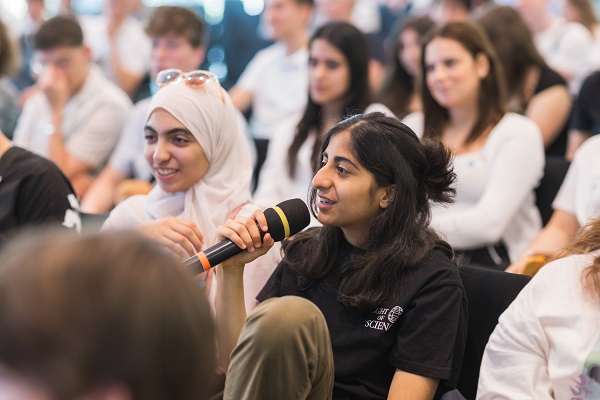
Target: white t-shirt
[(547, 342), (579, 193), (495, 197), (568, 46), (92, 121), (279, 86), (133, 45)]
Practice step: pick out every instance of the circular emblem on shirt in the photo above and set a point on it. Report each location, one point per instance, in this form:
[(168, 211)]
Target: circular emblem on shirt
[(395, 313)]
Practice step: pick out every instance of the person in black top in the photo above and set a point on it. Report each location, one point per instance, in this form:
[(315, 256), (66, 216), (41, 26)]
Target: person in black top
[(533, 88), (586, 114), (33, 191), (383, 282)]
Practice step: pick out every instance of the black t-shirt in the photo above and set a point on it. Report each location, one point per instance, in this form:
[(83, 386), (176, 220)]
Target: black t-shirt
[(33, 191), (549, 78), (422, 330), (586, 114)]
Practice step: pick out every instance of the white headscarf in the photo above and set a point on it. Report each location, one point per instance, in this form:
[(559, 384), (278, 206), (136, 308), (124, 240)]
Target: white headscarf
[(210, 116)]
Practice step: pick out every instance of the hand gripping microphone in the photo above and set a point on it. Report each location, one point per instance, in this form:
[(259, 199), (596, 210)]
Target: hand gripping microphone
[(285, 219)]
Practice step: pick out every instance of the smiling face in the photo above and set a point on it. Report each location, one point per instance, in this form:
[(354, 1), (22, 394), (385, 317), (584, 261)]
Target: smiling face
[(347, 194), (175, 157), (452, 74), (328, 73)]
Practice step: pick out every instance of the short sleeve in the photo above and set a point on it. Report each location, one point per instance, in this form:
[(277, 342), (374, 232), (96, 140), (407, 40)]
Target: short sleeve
[(586, 101), (432, 338)]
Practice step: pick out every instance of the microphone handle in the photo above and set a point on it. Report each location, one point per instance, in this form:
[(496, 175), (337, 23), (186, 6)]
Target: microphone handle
[(213, 256)]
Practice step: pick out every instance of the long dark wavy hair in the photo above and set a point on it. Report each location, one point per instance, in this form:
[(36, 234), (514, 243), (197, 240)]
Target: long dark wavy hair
[(352, 44), (513, 42), (491, 98), (398, 84), (400, 236)]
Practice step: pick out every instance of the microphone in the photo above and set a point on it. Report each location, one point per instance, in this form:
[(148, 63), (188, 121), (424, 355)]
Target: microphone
[(285, 219)]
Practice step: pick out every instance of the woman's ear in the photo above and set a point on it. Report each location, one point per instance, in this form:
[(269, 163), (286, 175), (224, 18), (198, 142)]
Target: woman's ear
[(482, 65), (387, 198)]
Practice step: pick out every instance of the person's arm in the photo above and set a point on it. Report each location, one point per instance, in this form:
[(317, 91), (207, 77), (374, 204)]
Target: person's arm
[(407, 386), (99, 197), (575, 139), (229, 304), (54, 85), (241, 98), (126, 78), (550, 109), (556, 235)]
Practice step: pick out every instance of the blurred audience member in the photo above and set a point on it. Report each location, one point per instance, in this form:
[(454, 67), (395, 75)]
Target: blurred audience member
[(344, 11), (274, 83), (499, 155), (101, 317), (33, 192), (546, 344), (399, 89), (178, 42), (566, 46), (119, 44), (35, 16), (77, 116), (534, 89), (9, 61), (577, 203), (585, 121)]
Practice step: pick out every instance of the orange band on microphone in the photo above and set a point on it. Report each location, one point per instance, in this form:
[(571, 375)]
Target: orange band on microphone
[(203, 261)]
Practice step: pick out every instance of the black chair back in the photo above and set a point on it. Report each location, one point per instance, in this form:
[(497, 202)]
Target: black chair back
[(489, 293)]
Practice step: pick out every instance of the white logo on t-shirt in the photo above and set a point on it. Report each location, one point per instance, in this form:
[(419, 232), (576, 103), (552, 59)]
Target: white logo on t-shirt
[(382, 316)]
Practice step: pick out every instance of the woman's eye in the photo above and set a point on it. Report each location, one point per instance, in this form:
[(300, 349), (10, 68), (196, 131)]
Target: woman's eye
[(342, 171), (312, 62), (149, 137), (179, 140), (332, 64)]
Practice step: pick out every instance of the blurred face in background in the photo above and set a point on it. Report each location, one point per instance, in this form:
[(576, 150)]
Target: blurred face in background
[(328, 73), (335, 10), (531, 10), (174, 51), (409, 51), (286, 18), (73, 62)]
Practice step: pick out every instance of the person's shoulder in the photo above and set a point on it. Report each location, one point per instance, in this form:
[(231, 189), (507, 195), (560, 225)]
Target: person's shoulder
[(561, 274), (516, 126), (103, 90), (269, 53), (415, 121), (549, 78), (589, 149), (438, 267)]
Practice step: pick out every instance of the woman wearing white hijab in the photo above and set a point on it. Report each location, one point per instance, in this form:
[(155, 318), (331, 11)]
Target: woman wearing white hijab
[(200, 160)]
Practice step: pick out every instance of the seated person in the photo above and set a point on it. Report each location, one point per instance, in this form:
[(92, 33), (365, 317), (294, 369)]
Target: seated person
[(9, 107), (546, 344), (101, 317), (586, 114), (576, 203), (368, 306), (33, 192), (119, 44), (199, 159), (77, 116), (499, 155), (534, 89), (178, 36)]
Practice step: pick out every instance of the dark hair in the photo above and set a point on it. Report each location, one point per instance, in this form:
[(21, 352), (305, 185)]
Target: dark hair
[(307, 2), (80, 313), (9, 57), (419, 173), (60, 31), (587, 241), (513, 42), (587, 13), (353, 45), (398, 85), (490, 105), (178, 20)]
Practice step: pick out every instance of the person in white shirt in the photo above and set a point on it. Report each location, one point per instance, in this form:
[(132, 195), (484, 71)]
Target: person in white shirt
[(567, 46), (275, 81), (178, 36), (499, 156), (76, 116), (547, 343), (576, 203), (119, 44)]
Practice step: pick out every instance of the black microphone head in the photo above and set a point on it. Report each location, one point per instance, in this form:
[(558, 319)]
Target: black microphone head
[(287, 218)]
